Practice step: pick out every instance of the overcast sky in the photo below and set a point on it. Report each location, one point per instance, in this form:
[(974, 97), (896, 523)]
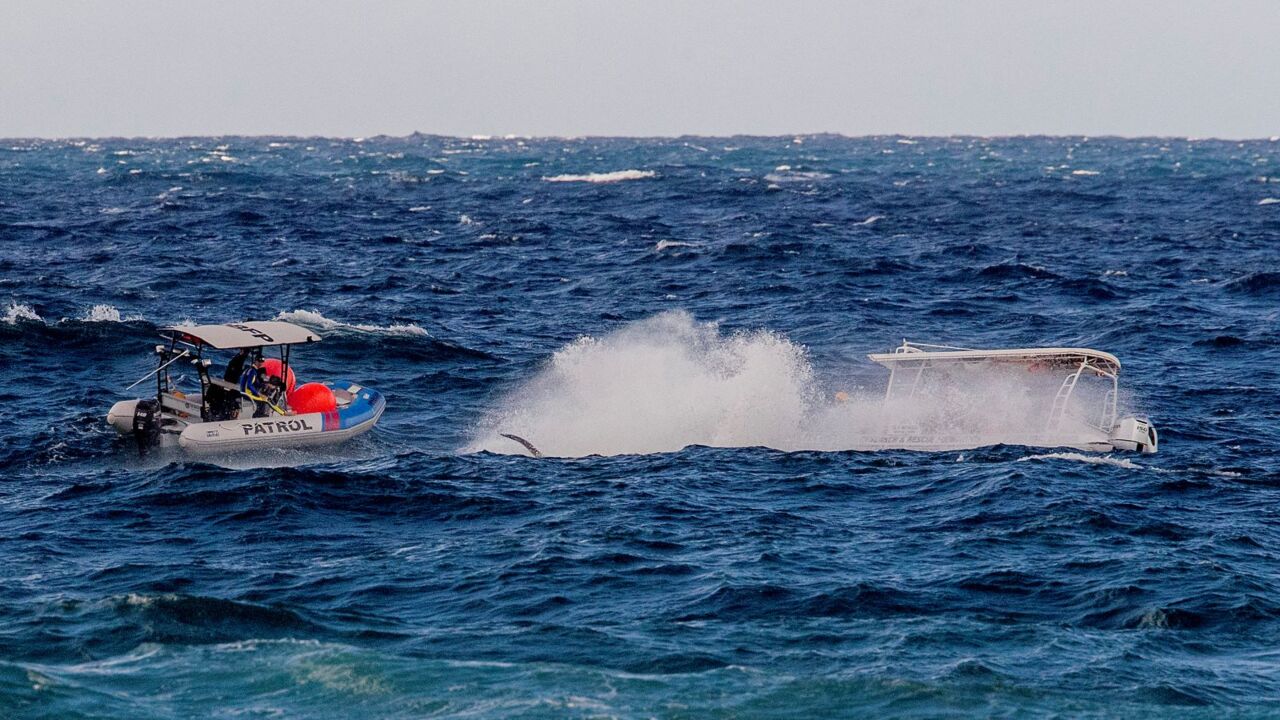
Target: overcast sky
[(131, 67)]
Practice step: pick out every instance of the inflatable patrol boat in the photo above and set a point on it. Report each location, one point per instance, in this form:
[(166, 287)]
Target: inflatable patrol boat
[(220, 418)]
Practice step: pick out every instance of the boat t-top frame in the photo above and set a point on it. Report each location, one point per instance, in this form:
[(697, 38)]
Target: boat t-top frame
[(913, 359), (191, 341)]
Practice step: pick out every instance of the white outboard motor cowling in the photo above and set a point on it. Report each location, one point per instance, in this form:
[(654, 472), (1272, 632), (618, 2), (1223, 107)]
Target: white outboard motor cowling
[(1135, 433)]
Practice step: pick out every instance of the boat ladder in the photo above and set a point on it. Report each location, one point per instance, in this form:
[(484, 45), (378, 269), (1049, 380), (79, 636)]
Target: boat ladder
[(1060, 400)]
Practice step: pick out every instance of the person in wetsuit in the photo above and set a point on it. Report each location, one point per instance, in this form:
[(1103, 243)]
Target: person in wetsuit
[(226, 403), (235, 366), (253, 384)]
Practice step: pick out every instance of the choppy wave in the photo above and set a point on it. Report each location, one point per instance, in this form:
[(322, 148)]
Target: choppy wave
[(1089, 459), (108, 314), (670, 244), (18, 313), (314, 319), (604, 177), (788, 174)]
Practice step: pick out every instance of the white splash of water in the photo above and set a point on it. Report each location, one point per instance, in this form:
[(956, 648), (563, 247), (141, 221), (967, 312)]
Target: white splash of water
[(107, 313), (17, 312), (656, 386), (606, 177), (786, 173), (314, 319), (664, 244), (668, 382), (1090, 459)]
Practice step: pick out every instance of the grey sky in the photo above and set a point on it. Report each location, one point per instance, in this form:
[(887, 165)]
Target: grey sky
[(639, 68)]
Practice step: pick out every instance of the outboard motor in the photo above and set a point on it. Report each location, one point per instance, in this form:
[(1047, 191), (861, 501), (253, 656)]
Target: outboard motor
[(146, 425), (1135, 433)]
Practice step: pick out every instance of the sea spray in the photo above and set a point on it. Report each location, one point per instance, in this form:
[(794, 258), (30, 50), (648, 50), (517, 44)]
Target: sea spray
[(16, 313), (658, 385)]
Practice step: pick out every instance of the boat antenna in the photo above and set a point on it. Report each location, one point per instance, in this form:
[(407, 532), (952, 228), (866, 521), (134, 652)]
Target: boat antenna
[(153, 372)]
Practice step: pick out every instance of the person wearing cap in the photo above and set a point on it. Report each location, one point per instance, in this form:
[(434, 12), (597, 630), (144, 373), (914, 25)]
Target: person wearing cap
[(253, 385)]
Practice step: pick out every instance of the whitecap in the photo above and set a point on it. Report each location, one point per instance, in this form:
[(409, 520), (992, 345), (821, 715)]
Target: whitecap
[(17, 312), (1090, 459), (1269, 201), (871, 220), (786, 173), (1085, 172), (664, 244), (605, 177), (313, 318), (107, 313)]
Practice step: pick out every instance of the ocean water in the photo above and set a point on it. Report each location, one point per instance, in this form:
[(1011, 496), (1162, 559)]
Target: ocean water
[(672, 317)]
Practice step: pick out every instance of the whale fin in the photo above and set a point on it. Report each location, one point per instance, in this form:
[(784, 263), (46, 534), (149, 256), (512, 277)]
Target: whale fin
[(527, 445)]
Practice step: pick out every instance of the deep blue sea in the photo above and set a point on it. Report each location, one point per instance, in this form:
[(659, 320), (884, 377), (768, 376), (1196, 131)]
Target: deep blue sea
[(659, 310)]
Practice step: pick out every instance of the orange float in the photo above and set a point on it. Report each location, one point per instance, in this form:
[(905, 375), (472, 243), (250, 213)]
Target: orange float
[(273, 366), (312, 398)]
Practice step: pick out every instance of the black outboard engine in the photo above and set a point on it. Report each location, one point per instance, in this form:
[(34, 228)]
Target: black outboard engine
[(146, 425)]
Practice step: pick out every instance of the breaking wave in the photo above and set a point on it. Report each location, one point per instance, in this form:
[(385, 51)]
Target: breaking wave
[(313, 319), (18, 313), (787, 173), (607, 177), (1088, 459), (107, 313)]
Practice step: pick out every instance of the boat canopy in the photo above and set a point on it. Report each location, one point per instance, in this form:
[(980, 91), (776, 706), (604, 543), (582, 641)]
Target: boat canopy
[(911, 354), (243, 335)]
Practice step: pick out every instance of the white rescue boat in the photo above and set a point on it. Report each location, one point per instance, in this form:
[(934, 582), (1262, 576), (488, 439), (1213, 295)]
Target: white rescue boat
[(972, 389)]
